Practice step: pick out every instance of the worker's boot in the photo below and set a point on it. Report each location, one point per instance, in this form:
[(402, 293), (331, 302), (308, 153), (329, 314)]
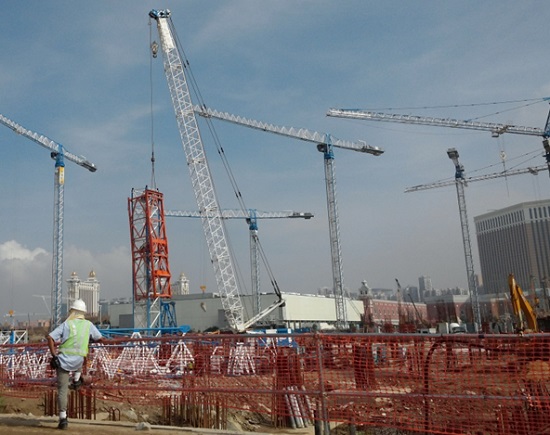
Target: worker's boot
[(63, 424), (75, 385)]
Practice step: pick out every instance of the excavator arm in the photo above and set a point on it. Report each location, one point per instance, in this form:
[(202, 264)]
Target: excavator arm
[(521, 306)]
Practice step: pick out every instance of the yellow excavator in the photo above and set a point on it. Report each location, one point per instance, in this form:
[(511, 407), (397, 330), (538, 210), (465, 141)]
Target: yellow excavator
[(522, 308)]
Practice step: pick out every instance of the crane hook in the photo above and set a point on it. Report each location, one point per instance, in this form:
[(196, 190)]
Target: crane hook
[(154, 48)]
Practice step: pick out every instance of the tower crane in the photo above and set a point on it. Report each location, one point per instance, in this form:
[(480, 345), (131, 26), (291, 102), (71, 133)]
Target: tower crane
[(496, 129), (325, 144), (251, 216), (201, 178), (460, 181), (59, 154)]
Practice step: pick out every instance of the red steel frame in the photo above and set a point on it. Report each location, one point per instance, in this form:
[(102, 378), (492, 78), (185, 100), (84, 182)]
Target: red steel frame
[(150, 267)]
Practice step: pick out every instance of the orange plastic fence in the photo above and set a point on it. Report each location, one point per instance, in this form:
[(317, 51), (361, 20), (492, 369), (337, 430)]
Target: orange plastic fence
[(433, 384)]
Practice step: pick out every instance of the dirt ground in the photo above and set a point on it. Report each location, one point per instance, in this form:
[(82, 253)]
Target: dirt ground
[(21, 424), (25, 416)]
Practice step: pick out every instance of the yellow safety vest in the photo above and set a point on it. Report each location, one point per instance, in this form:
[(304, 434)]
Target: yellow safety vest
[(79, 337)]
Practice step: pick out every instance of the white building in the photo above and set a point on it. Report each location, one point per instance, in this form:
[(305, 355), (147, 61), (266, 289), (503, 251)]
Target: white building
[(203, 311), (181, 286), (87, 290)]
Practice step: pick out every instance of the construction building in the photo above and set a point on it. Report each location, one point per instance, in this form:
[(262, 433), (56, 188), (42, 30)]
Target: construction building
[(204, 311), (515, 240)]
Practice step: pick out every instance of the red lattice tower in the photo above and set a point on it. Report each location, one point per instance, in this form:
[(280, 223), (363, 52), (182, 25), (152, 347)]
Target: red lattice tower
[(150, 268)]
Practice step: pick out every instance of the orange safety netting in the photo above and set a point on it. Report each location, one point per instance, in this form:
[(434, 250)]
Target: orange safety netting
[(436, 384)]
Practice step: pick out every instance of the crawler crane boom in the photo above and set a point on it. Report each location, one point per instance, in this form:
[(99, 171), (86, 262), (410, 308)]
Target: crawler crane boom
[(201, 179), (58, 153), (325, 144)]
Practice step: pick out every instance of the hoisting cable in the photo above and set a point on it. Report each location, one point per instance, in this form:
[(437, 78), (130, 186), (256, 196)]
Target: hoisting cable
[(153, 46), (530, 101)]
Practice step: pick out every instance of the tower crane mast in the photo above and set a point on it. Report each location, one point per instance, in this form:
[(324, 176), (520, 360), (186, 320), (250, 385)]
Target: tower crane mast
[(251, 216), (325, 144), (58, 153), (201, 178), (464, 225)]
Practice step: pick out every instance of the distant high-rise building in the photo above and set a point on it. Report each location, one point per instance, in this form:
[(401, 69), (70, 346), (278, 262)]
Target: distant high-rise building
[(424, 285), (87, 290), (514, 240), (411, 293)]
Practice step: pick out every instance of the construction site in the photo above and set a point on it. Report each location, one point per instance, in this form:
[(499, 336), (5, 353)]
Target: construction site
[(436, 384), (365, 375)]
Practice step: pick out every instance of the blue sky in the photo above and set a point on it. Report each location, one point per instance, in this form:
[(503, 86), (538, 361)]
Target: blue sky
[(81, 73)]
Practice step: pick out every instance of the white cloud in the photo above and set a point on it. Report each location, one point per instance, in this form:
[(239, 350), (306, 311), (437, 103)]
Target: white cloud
[(12, 250)]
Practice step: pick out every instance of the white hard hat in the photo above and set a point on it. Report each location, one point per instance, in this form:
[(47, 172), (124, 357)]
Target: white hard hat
[(79, 305)]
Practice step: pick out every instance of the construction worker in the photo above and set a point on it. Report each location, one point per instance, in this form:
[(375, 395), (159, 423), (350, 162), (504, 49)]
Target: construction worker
[(73, 336)]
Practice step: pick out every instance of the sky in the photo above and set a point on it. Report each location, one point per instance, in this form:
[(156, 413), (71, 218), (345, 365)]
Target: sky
[(81, 73)]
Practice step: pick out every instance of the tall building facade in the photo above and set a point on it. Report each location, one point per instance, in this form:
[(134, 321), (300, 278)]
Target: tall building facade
[(87, 290), (514, 240), (424, 285)]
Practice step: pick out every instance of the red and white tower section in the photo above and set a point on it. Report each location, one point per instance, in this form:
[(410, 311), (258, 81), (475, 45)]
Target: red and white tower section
[(150, 267)]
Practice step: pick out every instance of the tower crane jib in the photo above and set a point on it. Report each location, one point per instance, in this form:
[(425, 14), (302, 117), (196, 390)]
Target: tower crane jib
[(534, 170), (496, 129)]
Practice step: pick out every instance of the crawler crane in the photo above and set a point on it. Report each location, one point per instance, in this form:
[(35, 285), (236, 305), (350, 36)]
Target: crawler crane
[(58, 153), (201, 179), (325, 144)]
